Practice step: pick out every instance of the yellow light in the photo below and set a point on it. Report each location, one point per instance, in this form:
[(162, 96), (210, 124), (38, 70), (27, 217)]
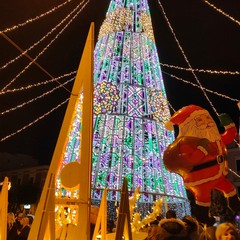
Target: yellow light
[(223, 13), (36, 18)]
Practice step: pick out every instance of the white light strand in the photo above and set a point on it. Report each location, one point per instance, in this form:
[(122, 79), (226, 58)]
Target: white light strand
[(222, 12), (205, 89), (170, 105), (237, 143), (43, 38), (36, 98), (186, 59), (53, 40), (33, 122), (205, 71), (37, 84), (201, 70), (36, 18), (230, 170)]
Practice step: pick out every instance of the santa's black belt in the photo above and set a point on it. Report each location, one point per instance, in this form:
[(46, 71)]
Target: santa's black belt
[(219, 159)]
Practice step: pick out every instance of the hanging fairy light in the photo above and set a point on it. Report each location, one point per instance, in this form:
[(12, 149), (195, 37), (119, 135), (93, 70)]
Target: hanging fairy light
[(36, 98), (36, 84), (222, 12), (205, 89), (33, 122), (201, 70), (36, 18), (186, 59), (43, 38), (45, 48)]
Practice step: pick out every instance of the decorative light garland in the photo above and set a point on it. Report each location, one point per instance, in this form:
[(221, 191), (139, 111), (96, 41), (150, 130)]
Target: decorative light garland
[(48, 45), (33, 122), (36, 84), (187, 69), (192, 70), (43, 38), (36, 18), (201, 70), (222, 12), (36, 98), (186, 59), (171, 107)]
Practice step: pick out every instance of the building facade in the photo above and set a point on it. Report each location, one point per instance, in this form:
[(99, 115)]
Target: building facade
[(26, 186)]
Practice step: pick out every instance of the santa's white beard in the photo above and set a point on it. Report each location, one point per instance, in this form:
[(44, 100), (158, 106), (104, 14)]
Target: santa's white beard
[(210, 131)]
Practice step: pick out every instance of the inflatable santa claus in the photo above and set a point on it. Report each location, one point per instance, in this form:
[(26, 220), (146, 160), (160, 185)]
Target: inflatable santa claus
[(199, 155)]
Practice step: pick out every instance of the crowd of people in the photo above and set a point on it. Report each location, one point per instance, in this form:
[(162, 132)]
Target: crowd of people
[(188, 228), (18, 227), (169, 227)]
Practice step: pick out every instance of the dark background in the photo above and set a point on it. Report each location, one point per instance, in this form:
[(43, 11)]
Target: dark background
[(209, 39)]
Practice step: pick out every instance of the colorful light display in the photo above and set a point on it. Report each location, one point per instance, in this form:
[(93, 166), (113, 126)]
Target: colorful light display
[(130, 108)]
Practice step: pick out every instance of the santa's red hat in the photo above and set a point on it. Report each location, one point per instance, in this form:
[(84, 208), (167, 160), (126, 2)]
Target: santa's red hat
[(184, 115)]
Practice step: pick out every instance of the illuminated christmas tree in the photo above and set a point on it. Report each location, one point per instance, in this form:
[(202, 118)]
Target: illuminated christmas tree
[(130, 108)]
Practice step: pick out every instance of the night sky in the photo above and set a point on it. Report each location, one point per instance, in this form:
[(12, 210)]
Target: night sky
[(209, 40)]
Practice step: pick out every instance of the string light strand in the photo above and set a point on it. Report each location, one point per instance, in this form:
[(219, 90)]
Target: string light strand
[(36, 98), (205, 89), (201, 70), (33, 122), (230, 170), (170, 105), (222, 12), (36, 18), (37, 84), (186, 59), (48, 45), (24, 53)]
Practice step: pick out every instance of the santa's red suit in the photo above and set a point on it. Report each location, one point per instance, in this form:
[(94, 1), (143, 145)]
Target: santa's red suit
[(199, 154)]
